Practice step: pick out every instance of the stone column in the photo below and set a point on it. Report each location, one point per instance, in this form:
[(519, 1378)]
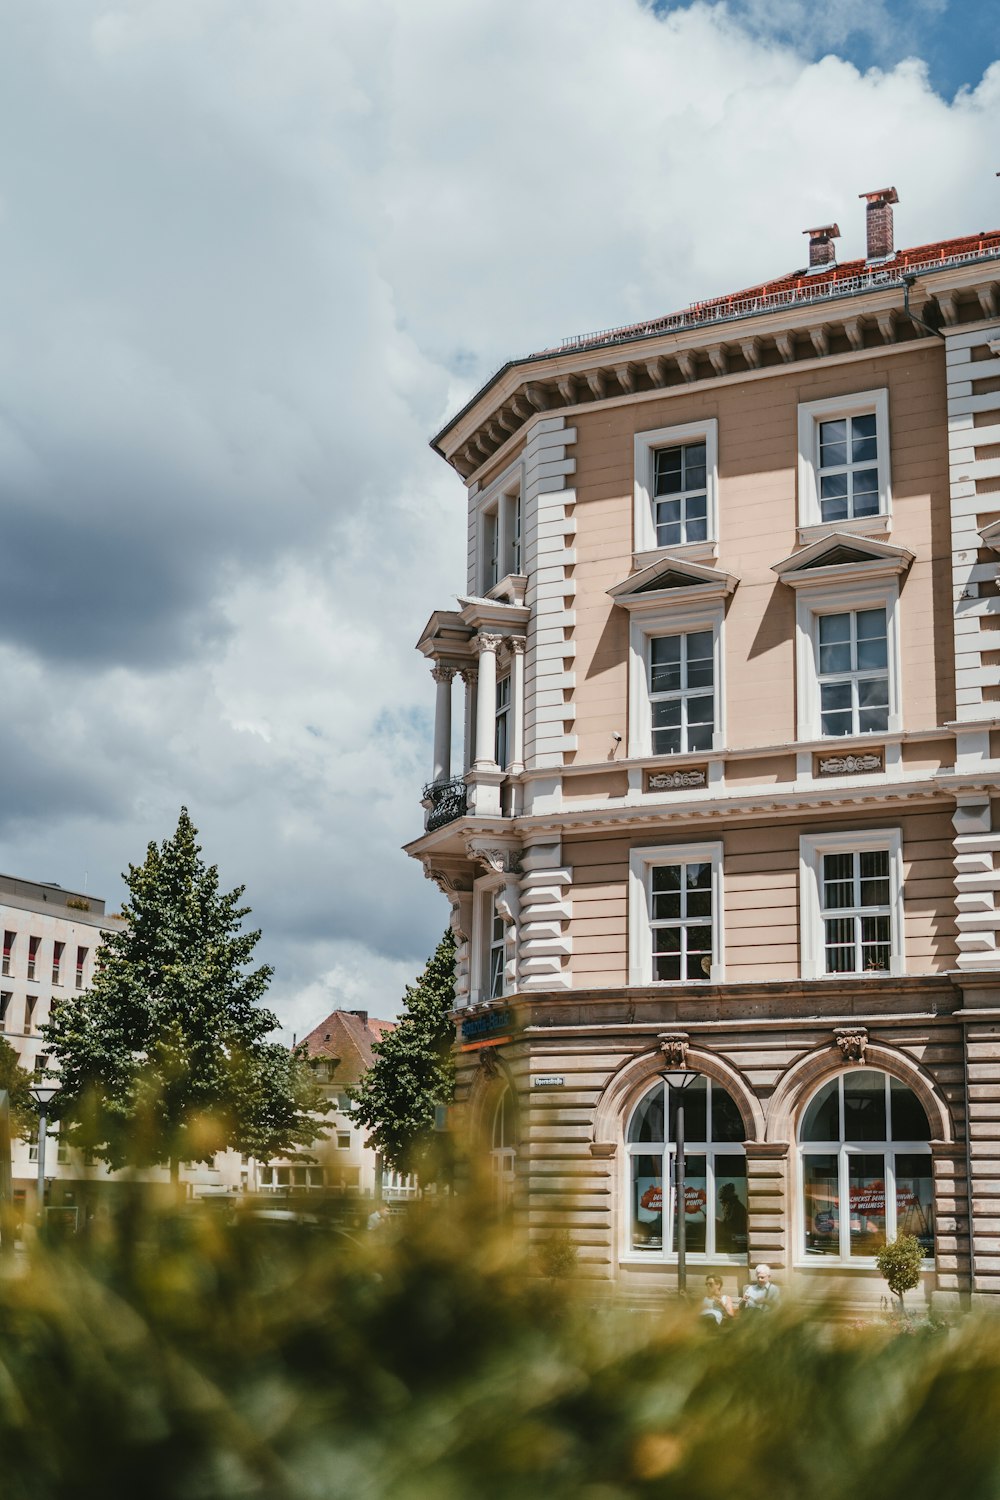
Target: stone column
[(470, 677), (516, 645), (442, 723), (487, 645)]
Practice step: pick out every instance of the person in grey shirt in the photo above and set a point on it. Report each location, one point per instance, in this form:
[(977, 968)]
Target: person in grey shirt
[(761, 1294)]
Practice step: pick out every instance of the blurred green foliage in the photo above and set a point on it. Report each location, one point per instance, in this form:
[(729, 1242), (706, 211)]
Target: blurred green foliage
[(182, 1357)]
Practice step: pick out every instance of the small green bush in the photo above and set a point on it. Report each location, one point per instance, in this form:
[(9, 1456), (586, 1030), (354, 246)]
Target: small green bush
[(899, 1264)]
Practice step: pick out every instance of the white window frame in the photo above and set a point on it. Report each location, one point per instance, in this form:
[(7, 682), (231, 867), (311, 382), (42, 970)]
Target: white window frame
[(812, 933), (486, 892), (810, 415), (642, 862), (844, 1149), (502, 502), (842, 598), (645, 447), (643, 627), (504, 711), (667, 1151)]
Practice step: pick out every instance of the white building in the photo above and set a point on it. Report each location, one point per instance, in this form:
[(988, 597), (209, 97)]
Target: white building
[(50, 941)]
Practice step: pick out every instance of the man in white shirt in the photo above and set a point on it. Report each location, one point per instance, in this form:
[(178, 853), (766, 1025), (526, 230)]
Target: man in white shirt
[(761, 1294)]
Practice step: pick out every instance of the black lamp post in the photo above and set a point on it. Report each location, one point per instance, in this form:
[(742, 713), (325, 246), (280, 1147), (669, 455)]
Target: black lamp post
[(43, 1094), (680, 1079)]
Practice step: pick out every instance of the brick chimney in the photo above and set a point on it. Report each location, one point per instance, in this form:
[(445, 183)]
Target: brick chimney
[(878, 221), (822, 250), (362, 1016)]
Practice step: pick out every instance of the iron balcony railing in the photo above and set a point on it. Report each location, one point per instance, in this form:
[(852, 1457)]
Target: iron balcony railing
[(445, 801)]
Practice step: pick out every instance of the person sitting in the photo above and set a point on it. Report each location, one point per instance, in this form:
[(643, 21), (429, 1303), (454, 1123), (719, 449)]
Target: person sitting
[(716, 1306), (761, 1294)]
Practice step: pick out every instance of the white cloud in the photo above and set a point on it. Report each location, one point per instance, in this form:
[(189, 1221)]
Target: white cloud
[(260, 251)]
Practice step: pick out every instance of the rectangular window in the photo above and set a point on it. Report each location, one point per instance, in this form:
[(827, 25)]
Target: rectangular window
[(675, 915), (33, 943), (496, 952), (676, 489), (343, 1140), (81, 959), (500, 524), (851, 888), (680, 495), (501, 739), (492, 556), (8, 950), (854, 672), (848, 468), (844, 464), (57, 953), (5, 998), (29, 1013), (857, 912), (681, 696), (514, 529), (681, 922)]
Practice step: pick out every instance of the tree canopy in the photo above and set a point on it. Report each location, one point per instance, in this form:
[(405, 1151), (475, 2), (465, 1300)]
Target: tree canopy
[(17, 1081), (413, 1071), (166, 1057)]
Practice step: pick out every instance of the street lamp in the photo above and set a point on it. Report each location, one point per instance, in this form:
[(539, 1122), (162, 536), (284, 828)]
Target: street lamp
[(680, 1079), (43, 1095)]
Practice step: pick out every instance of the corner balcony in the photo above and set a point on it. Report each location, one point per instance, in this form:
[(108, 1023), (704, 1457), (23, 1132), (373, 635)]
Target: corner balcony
[(445, 801)]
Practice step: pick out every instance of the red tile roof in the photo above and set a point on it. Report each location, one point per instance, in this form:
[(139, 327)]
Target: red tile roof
[(347, 1038), (803, 286)]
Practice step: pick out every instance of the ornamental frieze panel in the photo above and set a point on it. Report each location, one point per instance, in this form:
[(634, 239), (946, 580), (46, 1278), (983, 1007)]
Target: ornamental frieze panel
[(854, 763), (688, 778)]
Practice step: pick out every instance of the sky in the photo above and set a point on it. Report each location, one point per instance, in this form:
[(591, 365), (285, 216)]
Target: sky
[(254, 253)]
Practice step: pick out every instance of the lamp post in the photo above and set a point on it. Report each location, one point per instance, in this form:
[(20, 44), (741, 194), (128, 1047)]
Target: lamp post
[(680, 1079), (43, 1094)]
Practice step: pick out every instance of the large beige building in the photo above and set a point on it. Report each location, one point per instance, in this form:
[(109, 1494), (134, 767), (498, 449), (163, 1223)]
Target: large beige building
[(727, 786)]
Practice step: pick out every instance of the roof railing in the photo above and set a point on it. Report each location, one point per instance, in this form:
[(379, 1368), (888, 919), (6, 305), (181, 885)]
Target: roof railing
[(730, 309)]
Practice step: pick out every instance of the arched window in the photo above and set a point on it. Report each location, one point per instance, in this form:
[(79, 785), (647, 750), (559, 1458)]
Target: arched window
[(715, 1177), (503, 1148), (865, 1167)]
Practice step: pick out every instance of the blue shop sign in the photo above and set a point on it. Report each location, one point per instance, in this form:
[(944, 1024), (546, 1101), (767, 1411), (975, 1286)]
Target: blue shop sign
[(480, 1028)]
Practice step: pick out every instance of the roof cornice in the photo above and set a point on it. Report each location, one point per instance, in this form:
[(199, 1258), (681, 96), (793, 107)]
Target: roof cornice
[(868, 321)]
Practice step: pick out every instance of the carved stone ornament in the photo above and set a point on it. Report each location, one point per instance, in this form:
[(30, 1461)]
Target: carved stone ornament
[(674, 1046), (496, 861), (442, 674), (488, 1062), (486, 640), (852, 1041), (448, 882), (675, 781), (850, 765)]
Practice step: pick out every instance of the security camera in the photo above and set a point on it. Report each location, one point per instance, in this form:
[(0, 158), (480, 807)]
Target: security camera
[(616, 737)]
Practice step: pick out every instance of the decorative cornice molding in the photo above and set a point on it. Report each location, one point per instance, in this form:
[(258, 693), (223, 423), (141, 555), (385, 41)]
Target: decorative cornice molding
[(798, 334)]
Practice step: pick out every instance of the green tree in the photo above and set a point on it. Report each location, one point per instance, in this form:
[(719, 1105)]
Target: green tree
[(166, 1058), (17, 1081), (413, 1071), (899, 1264)]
